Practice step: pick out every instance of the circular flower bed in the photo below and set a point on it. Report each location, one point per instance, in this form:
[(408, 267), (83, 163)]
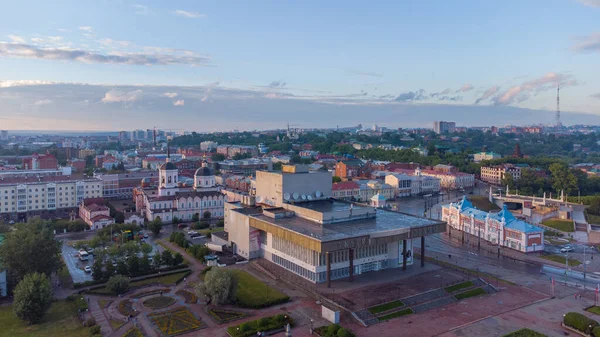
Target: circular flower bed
[(158, 302), (126, 308), (188, 296)]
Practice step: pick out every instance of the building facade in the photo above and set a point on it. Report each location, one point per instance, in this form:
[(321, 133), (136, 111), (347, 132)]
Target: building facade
[(498, 228), (444, 127), (481, 156), (94, 213), (121, 185), (495, 174), (348, 169), (346, 190), (318, 238)]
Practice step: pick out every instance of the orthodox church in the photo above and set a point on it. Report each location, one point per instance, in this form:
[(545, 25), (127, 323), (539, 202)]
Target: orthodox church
[(175, 199)]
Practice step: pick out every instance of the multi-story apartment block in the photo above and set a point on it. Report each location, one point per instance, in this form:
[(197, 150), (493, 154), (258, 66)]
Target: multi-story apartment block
[(346, 190), (22, 196), (481, 156), (348, 169), (40, 162), (121, 185), (4, 135), (499, 228), (444, 127), (208, 145), (84, 153), (246, 167), (495, 174)]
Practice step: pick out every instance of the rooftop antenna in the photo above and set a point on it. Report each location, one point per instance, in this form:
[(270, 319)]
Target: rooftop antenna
[(558, 123), (168, 151), (154, 137)]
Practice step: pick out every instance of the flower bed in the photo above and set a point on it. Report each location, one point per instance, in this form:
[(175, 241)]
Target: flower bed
[(524, 333), (189, 297), (225, 316), (470, 293), (158, 302), (151, 292), (264, 324), (126, 308), (334, 330), (133, 332), (176, 321), (400, 313)]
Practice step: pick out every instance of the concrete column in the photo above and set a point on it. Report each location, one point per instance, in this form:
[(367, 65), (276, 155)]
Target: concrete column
[(404, 255), (328, 273), (422, 251), (351, 258)]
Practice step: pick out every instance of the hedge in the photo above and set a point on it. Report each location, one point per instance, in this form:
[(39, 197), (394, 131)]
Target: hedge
[(579, 322), (250, 328)]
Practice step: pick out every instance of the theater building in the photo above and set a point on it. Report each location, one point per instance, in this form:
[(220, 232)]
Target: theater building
[(294, 222)]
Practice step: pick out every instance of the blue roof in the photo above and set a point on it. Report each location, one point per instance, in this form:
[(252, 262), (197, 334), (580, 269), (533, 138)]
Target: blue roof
[(522, 226)]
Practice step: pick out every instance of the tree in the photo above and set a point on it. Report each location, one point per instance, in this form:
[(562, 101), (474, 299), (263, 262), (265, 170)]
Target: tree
[(109, 270), (122, 268), (563, 179), (166, 258), (508, 180), (30, 249), (32, 297), (217, 157), (97, 273), (155, 226), (206, 215), (219, 285), (146, 248), (177, 259), (195, 217), (133, 265), (175, 220), (145, 265), (118, 284), (336, 179)]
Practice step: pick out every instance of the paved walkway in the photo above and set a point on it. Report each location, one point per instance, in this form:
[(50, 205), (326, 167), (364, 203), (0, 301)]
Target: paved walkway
[(99, 315)]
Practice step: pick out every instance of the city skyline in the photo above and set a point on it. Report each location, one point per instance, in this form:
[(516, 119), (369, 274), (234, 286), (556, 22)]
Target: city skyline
[(209, 67)]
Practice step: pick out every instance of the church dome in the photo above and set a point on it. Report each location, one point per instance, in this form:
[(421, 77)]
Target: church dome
[(168, 166), (203, 172)]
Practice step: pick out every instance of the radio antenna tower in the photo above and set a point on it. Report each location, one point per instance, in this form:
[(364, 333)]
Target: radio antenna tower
[(558, 123)]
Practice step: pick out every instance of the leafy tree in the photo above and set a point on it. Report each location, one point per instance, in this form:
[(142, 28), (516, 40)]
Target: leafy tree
[(97, 273), (32, 298), (30, 249), (122, 268), (145, 266), (166, 258), (4, 228), (155, 226), (562, 179), (206, 215), (195, 217), (508, 180), (336, 179), (199, 251), (118, 284), (219, 285), (217, 157), (146, 248), (109, 270), (133, 265), (177, 259), (175, 220)]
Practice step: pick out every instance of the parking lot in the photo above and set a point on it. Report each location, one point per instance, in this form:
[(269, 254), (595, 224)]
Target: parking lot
[(76, 266)]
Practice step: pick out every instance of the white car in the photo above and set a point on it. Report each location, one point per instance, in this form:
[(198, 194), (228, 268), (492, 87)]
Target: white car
[(87, 269), (566, 249), (146, 236), (192, 232)]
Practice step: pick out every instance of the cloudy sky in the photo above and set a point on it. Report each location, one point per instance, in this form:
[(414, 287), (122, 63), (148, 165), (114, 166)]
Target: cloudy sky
[(221, 65)]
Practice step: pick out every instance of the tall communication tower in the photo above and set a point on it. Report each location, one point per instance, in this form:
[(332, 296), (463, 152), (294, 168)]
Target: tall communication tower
[(558, 123)]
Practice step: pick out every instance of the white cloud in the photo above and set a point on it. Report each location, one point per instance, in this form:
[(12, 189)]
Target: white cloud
[(465, 87), (87, 29), (140, 9), (116, 96), (21, 83), (590, 43), (16, 39), (170, 94), (43, 102), (179, 103), (15, 50), (590, 3), (521, 92), (111, 42), (487, 94), (188, 14)]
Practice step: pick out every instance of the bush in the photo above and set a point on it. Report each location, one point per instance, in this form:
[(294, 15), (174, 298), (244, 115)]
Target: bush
[(90, 322), (220, 223), (82, 304), (118, 284), (333, 329), (343, 332), (95, 330), (596, 331), (579, 322)]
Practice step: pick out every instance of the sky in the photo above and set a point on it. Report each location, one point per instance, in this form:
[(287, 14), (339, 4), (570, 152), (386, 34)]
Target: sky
[(224, 65)]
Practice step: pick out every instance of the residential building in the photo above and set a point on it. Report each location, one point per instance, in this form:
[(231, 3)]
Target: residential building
[(23, 196), (349, 168), (481, 156), (346, 190), (318, 238), (245, 167), (444, 127), (498, 228), (401, 183), (3, 283), (173, 200), (208, 146), (231, 150), (40, 162), (369, 188), (95, 213), (495, 174), (121, 185), (451, 180), (4, 137), (84, 153)]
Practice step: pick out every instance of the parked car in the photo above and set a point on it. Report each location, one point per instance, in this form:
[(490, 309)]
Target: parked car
[(87, 269), (566, 249), (192, 232), (145, 235), (90, 251), (181, 225)]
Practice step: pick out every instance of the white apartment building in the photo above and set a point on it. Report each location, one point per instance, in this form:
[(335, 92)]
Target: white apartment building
[(417, 184), (45, 193), (495, 174), (401, 183), (451, 180), (208, 145), (370, 188), (481, 156), (443, 127)]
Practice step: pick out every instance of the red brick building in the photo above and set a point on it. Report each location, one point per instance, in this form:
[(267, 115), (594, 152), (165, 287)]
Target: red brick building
[(40, 162)]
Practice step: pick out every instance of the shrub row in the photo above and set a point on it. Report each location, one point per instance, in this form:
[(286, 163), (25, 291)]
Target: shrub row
[(334, 330), (581, 323), (264, 324)]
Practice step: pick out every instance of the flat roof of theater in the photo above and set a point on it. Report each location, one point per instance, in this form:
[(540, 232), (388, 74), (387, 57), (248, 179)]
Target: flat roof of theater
[(385, 223)]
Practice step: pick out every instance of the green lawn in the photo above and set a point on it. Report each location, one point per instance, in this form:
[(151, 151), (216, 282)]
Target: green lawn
[(210, 230), (561, 225), (593, 219), (66, 281), (400, 313), (459, 286), (385, 307), (561, 259), (253, 293), (470, 293), (164, 280), (524, 333), (594, 310), (61, 320), (482, 203)]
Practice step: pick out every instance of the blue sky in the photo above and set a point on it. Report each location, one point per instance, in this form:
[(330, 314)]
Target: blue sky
[(221, 65)]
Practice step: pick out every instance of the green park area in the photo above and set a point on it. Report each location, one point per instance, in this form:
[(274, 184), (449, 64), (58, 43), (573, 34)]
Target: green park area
[(561, 259), (60, 320), (561, 225), (385, 307), (482, 203), (524, 333), (470, 293), (253, 293), (459, 286)]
